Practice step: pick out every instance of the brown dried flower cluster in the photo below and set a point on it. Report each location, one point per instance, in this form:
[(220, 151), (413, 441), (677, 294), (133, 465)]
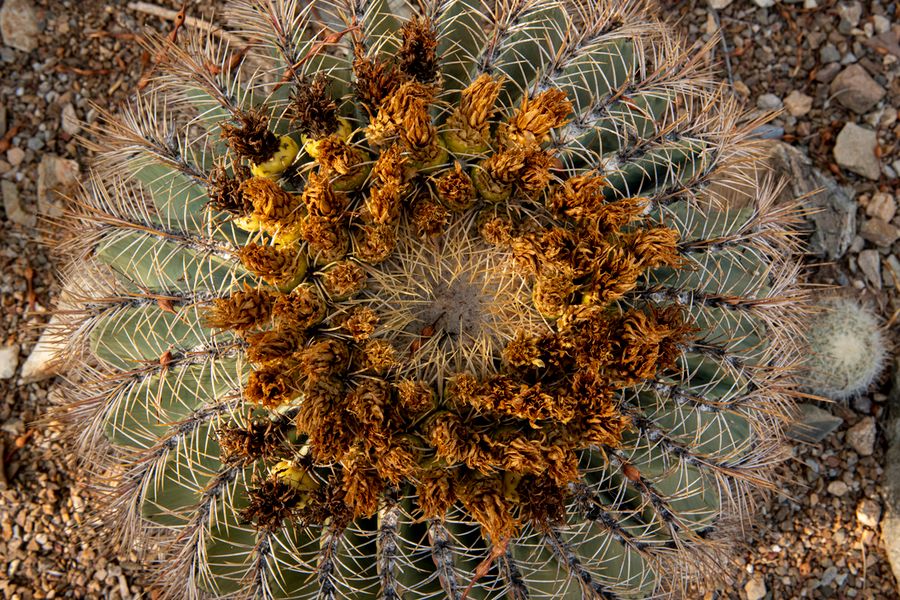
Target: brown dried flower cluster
[(504, 444)]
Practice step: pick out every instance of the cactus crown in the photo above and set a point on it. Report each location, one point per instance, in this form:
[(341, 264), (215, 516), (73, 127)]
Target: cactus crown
[(450, 304)]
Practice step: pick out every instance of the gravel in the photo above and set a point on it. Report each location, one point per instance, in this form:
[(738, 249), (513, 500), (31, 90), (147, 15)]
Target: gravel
[(821, 535), (51, 546)]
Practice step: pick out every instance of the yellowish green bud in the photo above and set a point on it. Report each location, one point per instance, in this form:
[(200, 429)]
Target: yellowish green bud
[(280, 161)]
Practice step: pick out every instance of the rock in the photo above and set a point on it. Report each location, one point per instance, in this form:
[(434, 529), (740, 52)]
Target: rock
[(862, 405), (834, 217), (9, 360), (15, 156), (70, 123), (827, 73), (798, 104), (868, 512), (829, 54), (869, 262), (890, 523), (813, 424), (769, 102), (764, 3), (767, 131), (854, 150), (718, 4), (837, 488), (881, 24), (849, 12), (892, 271), (882, 206), (756, 588), (19, 25), (41, 363), (57, 177), (741, 88), (879, 233), (13, 207), (855, 89), (861, 437)]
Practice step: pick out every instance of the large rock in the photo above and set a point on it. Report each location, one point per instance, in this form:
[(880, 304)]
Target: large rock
[(890, 523), (854, 150), (57, 178), (19, 25), (855, 89), (47, 357), (834, 219), (44, 360), (812, 424)]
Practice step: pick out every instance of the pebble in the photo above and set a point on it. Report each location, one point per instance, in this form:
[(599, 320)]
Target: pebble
[(829, 54), (882, 206), (854, 150), (13, 206), (881, 24), (869, 262), (798, 104), (849, 13), (879, 232), (769, 102), (756, 588), (868, 512), (861, 437), (892, 271), (718, 4), (828, 72), (19, 25), (855, 89), (56, 177), (9, 360), (70, 123), (862, 405), (764, 3), (838, 488), (15, 156)]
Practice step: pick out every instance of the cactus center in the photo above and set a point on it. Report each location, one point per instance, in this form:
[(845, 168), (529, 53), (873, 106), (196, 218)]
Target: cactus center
[(452, 303)]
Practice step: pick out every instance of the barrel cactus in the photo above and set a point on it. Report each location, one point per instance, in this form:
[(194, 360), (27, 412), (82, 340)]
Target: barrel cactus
[(846, 349), (462, 298)]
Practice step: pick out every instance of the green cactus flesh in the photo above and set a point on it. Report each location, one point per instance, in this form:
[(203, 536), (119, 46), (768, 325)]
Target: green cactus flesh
[(441, 300)]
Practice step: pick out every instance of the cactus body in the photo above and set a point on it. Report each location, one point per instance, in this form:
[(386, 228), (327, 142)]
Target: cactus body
[(452, 304)]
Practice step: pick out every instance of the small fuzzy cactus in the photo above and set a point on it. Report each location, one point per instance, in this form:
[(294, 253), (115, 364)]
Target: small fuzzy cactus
[(453, 304), (847, 351)]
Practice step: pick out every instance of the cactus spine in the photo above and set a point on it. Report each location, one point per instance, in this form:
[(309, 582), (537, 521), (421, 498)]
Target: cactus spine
[(436, 306)]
